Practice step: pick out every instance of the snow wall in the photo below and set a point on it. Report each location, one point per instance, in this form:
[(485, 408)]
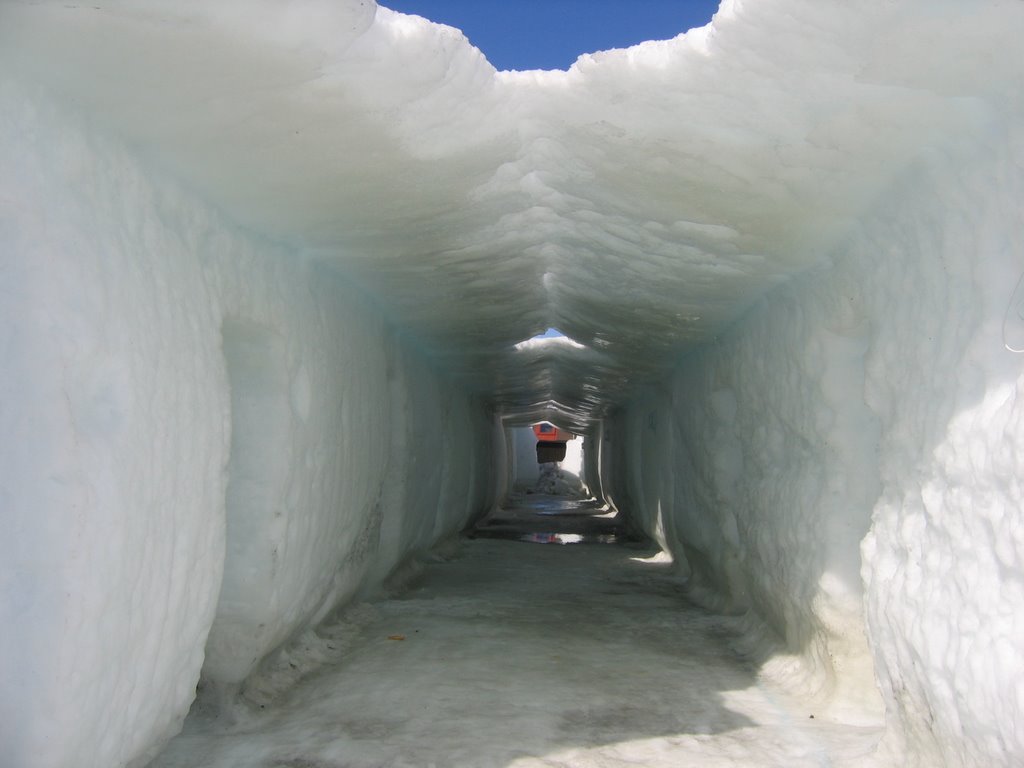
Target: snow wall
[(208, 444), (843, 467), (525, 469)]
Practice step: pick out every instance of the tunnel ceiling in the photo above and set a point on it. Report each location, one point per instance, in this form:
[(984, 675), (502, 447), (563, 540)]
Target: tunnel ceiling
[(637, 203)]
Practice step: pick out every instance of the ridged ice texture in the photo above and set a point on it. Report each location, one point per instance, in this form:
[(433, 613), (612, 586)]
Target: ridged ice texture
[(637, 202), (202, 431), (944, 561), (872, 401)]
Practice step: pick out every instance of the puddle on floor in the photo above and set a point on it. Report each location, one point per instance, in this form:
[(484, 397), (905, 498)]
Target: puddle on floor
[(542, 519), (538, 537)]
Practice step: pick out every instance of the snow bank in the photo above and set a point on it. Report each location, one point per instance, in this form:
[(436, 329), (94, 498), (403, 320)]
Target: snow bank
[(870, 401), (210, 440), (555, 481)]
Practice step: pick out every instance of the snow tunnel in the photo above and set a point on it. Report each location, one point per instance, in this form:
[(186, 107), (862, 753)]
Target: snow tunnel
[(275, 287)]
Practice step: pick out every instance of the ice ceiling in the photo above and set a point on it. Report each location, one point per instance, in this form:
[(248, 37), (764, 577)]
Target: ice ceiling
[(637, 203)]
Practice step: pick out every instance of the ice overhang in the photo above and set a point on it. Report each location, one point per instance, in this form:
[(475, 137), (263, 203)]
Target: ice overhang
[(638, 202)]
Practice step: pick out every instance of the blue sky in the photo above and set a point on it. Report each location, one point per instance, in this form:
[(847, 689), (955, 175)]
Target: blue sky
[(550, 34)]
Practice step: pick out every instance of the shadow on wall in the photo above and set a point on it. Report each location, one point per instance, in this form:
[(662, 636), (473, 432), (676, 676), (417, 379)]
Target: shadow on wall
[(761, 486), (260, 418), (864, 410)]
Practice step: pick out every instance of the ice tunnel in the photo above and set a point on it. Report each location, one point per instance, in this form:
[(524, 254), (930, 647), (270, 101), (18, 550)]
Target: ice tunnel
[(267, 271)]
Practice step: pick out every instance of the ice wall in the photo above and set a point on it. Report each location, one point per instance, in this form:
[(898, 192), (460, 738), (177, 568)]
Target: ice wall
[(525, 468), (846, 460), (639, 202), (205, 435)]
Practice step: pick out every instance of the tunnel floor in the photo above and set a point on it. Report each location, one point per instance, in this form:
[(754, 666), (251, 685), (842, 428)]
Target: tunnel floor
[(515, 654), (543, 519)]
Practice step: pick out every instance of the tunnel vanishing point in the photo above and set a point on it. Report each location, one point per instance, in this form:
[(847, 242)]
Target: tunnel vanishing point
[(269, 274)]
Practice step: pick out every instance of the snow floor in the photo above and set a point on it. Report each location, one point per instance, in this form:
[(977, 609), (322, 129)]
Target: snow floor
[(520, 654)]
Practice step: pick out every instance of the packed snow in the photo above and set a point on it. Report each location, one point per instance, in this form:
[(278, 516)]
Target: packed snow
[(217, 441), (637, 202), (871, 411), (521, 655), (271, 279)]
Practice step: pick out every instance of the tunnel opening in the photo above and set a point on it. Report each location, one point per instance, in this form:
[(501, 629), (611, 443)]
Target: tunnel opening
[(544, 458), (551, 498)]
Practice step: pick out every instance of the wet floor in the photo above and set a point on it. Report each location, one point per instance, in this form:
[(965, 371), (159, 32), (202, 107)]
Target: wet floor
[(510, 654), (542, 519)]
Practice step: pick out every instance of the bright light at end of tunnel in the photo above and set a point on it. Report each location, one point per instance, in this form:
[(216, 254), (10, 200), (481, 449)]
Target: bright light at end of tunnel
[(551, 338)]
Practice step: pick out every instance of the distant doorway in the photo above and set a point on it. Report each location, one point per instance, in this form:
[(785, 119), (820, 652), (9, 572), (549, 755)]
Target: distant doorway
[(551, 442)]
